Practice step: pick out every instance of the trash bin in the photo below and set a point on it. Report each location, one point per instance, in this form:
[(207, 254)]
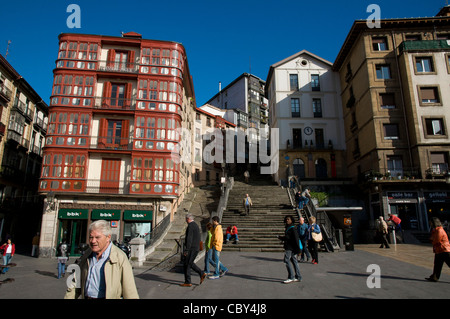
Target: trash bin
[(348, 233)]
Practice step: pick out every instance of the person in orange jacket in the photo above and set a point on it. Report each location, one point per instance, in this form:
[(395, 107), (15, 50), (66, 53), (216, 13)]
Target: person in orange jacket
[(441, 248)]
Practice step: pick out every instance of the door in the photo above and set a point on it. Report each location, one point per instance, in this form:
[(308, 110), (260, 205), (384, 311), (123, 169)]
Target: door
[(117, 95), (110, 176), (296, 138), (114, 134), (74, 232)]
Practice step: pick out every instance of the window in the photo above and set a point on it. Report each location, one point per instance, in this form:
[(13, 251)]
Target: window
[(424, 64), (320, 140), (315, 84), (379, 44), (434, 127), (439, 162), (293, 80), (295, 107), (317, 107), (383, 72), (387, 100), (429, 95), (297, 138), (395, 165), (390, 131)]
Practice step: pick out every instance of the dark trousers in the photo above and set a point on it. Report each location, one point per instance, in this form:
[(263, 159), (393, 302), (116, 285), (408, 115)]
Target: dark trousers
[(384, 241), (313, 249), (439, 260), (189, 264), (247, 209)]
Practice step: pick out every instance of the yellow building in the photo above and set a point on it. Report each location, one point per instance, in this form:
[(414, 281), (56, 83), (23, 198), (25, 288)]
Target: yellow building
[(395, 97)]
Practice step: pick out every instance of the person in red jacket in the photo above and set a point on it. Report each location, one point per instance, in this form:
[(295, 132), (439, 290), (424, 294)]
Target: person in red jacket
[(441, 248), (232, 232), (8, 252)]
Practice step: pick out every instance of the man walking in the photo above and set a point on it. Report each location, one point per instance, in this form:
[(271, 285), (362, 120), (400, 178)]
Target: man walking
[(191, 249), (216, 246), (247, 203)]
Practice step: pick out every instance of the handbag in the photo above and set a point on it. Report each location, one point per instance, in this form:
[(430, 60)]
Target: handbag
[(317, 237), (201, 246)]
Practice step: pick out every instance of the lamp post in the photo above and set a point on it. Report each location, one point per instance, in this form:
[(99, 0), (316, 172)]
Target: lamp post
[(51, 200)]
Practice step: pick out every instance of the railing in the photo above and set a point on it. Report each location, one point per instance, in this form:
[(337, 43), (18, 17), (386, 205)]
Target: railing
[(390, 174), (111, 143), (424, 45), (6, 92), (11, 135), (101, 186), (110, 103), (122, 67), (224, 198), (322, 219)]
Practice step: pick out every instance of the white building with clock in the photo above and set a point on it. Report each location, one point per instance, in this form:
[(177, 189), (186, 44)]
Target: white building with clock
[(305, 105)]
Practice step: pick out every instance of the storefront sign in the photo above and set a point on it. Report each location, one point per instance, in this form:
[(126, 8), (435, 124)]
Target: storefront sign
[(106, 214), (402, 197), (437, 197), (138, 215), (73, 213)]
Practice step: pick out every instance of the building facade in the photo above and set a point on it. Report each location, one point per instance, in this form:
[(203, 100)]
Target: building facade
[(304, 105), (23, 127), (208, 126), (395, 98), (119, 108)]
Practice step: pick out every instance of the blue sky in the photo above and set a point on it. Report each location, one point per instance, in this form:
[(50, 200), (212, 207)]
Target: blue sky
[(223, 39)]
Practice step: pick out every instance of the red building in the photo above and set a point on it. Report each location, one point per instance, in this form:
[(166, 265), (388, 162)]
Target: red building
[(112, 152)]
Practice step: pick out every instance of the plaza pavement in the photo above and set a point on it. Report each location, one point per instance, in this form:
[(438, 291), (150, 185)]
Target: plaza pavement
[(259, 276)]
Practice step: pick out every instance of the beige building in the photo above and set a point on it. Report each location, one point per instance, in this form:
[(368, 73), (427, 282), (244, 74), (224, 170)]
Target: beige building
[(23, 126), (205, 170), (395, 97)]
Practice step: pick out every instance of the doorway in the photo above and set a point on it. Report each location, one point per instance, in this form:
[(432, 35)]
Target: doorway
[(74, 232)]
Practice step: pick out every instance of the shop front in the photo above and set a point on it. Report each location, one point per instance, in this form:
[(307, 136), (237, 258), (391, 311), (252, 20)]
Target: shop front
[(405, 206), (137, 224), (72, 228), (438, 205)]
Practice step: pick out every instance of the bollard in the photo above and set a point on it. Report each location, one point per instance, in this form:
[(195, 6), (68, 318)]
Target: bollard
[(137, 251)]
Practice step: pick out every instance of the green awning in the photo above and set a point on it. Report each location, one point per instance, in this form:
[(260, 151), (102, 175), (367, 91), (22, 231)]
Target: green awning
[(138, 215), (106, 214), (73, 213)]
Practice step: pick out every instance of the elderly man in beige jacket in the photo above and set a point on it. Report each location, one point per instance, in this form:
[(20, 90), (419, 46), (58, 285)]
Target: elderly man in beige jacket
[(105, 272)]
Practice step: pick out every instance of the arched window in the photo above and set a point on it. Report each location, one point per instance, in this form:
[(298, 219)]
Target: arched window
[(299, 168)]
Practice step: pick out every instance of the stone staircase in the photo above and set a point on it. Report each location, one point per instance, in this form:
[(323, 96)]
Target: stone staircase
[(258, 231)]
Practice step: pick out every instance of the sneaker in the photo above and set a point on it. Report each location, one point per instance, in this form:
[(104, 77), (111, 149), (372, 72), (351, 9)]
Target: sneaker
[(223, 273), (297, 280), (288, 281), (213, 277)]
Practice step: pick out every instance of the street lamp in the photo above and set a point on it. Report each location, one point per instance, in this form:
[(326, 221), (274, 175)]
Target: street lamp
[(51, 200)]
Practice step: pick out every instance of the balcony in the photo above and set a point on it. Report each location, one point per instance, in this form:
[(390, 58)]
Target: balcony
[(5, 93), (424, 45), (117, 67), (115, 104), (93, 143), (19, 139)]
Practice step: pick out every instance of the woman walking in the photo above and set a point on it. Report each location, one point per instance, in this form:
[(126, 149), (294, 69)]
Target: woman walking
[(312, 244)]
